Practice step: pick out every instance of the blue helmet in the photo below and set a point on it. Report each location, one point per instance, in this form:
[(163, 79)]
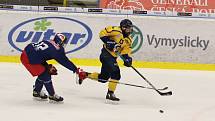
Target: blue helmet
[(60, 39)]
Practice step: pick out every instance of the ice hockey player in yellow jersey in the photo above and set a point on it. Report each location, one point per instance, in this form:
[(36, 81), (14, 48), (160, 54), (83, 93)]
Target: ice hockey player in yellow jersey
[(117, 42)]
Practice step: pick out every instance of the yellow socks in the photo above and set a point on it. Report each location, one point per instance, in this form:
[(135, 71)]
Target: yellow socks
[(93, 76), (112, 85)]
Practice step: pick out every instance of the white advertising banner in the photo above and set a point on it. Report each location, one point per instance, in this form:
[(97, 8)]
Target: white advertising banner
[(176, 39), (156, 39)]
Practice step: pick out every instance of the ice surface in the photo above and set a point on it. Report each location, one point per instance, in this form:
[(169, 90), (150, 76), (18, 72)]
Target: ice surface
[(193, 97)]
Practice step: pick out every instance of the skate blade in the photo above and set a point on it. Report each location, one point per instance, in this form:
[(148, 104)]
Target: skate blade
[(55, 102), (107, 101), (39, 99)]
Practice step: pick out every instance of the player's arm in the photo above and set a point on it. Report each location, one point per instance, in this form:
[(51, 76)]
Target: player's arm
[(126, 52), (64, 61), (61, 58), (106, 35)]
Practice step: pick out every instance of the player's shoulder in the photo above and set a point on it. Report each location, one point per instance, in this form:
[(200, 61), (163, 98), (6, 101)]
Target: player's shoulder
[(115, 29), (45, 42)]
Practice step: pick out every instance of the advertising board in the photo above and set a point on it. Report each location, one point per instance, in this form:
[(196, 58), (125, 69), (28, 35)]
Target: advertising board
[(155, 39)]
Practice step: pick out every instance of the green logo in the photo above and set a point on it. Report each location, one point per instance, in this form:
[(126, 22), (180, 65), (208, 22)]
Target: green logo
[(137, 37), (42, 24)]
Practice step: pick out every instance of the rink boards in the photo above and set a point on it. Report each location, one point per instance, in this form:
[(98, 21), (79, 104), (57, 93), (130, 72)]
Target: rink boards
[(159, 42)]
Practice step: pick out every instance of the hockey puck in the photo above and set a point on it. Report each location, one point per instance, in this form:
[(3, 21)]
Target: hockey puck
[(161, 111)]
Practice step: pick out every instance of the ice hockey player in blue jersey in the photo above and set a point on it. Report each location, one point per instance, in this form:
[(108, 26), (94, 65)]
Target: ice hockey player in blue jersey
[(34, 58)]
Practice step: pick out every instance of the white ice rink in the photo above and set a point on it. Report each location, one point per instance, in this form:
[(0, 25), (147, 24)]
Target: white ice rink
[(193, 97)]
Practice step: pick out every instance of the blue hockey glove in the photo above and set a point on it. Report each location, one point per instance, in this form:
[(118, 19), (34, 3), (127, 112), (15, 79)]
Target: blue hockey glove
[(127, 60)]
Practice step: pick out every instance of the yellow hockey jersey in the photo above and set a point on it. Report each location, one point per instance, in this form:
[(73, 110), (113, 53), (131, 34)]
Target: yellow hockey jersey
[(123, 43)]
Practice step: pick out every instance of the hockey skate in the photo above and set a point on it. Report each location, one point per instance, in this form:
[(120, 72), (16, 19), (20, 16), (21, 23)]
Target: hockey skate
[(111, 96), (39, 96), (55, 98)]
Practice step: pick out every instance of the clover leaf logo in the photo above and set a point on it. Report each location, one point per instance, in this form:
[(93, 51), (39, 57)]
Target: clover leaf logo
[(137, 37), (41, 25)]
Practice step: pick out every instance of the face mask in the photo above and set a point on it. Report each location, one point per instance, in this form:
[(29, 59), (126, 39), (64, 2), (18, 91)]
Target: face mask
[(127, 30)]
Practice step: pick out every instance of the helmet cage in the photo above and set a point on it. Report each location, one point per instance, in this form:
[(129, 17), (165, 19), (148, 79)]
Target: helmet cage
[(60, 39)]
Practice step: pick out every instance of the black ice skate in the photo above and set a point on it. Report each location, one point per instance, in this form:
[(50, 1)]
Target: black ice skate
[(110, 96), (40, 95), (55, 98)]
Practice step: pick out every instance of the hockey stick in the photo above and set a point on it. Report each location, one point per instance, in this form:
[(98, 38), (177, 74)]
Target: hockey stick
[(153, 87), (134, 85)]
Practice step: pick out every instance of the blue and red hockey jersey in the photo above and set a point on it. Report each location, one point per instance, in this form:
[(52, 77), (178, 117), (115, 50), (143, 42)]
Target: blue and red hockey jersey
[(39, 53)]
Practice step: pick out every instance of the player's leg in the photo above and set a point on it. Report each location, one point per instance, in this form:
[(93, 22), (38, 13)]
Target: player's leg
[(104, 75), (35, 70), (114, 78), (110, 69), (47, 81), (93, 76), (37, 90)]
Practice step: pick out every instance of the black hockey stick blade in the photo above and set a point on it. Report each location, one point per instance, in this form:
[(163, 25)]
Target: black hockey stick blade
[(165, 93), (161, 93)]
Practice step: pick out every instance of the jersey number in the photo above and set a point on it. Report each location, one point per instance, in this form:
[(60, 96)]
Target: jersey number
[(40, 46)]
